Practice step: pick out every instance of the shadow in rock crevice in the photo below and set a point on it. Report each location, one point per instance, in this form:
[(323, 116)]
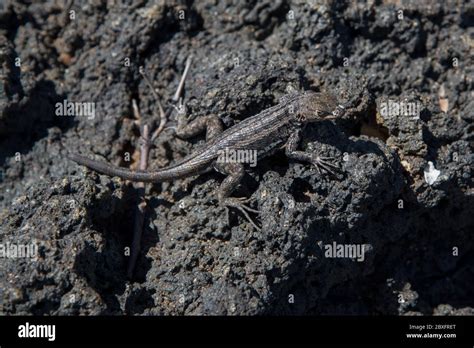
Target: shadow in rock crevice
[(27, 122), (105, 270), (413, 245)]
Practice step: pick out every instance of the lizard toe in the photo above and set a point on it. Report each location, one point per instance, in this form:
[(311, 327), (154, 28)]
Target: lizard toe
[(237, 203)]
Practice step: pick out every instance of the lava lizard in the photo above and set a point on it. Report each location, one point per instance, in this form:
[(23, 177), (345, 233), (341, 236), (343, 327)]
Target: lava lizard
[(277, 126)]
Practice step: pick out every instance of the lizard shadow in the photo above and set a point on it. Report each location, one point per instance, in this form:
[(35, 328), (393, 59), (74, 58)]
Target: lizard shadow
[(427, 250), (412, 245), (332, 135)]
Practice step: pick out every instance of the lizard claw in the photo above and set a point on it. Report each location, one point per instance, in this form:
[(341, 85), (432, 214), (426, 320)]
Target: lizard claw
[(239, 203), (324, 163)]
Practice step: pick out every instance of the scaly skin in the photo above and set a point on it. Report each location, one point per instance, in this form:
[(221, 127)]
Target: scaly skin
[(264, 132)]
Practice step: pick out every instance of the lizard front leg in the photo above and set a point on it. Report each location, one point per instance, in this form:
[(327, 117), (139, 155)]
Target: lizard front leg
[(235, 172), (320, 162)]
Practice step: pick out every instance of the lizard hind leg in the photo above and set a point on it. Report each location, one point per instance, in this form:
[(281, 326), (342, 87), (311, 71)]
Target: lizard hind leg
[(211, 124), (235, 173)]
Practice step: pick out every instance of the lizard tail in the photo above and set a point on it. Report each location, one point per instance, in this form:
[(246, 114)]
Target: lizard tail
[(108, 169)]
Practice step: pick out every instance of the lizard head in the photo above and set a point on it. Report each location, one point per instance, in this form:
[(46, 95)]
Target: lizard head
[(321, 106), (350, 99)]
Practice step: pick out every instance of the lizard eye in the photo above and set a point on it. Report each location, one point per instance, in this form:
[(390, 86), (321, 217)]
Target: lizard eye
[(338, 111)]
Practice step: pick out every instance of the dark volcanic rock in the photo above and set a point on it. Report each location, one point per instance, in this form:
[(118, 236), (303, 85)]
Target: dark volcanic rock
[(195, 257)]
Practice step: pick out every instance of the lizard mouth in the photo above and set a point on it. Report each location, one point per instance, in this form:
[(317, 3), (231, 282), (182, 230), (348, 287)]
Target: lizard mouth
[(332, 116)]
